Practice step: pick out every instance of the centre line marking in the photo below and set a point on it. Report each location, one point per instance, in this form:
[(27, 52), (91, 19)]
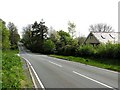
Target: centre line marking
[(55, 64), (93, 80)]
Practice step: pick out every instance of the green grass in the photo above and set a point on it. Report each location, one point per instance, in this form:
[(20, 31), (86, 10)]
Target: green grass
[(12, 71), (91, 61), (0, 69)]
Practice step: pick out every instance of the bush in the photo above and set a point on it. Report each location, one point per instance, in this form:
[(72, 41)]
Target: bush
[(117, 51), (108, 51), (86, 50), (48, 47), (13, 47), (12, 72), (69, 50)]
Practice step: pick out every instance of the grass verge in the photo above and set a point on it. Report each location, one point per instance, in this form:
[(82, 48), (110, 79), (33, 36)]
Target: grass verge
[(91, 61), (12, 72)]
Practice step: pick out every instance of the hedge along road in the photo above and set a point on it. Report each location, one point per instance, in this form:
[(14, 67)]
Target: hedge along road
[(59, 73)]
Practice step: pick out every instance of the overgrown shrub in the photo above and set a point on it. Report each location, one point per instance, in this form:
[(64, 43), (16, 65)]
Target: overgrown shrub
[(108, 51), (85, 50), (12, 72), (69, 50), (48, 47)]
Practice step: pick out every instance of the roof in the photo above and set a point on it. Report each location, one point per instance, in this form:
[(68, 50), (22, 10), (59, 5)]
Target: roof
[(105, 37)]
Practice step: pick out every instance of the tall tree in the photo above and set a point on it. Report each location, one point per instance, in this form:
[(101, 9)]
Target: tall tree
[(39, 30), (27, 36), (100, 28), (5, 44), (14, 36), (39, 34), (71, 28)]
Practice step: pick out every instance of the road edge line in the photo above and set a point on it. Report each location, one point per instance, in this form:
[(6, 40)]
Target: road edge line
[(42, 86), (31, 75)]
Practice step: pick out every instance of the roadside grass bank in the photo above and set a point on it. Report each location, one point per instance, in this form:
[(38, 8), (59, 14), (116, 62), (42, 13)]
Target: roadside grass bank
[(0, 69), (13, 75), (102, 63)]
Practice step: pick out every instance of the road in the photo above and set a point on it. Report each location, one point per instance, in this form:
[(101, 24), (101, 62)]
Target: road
[(59, 73)]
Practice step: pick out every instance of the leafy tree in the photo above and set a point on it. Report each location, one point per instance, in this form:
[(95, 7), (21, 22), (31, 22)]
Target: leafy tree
[(66, 44), (64, 36), (34, 36), (5, 36), (100, 28), (55, 37), (39, 30), (27, 36), (39, 34), (14, 36), (48, 46), (71, 28)]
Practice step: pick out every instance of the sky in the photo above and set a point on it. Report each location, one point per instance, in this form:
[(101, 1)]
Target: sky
[(57, 13)]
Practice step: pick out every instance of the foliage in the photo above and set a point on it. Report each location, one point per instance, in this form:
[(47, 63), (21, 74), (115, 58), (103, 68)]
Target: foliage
[(100, 28), (5, 35), (27, 36), (34, 36), (48, 46), (61, 43), (12, 72), (85, 50), (92, 61), (64, 38), (71, 28), (54, 36), (108, 51), (14, 36), (69, 50)]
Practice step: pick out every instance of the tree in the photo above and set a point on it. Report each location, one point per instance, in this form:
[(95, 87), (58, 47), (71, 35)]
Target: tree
[(48, 46), (14, 36), (71, 29), (39, 34), (5, 36), (64, 37), (54, 36), (100, 28), (27, 36), (39, 30)]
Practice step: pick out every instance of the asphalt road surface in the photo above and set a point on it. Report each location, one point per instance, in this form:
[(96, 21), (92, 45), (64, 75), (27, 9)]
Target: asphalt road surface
[(59, 73)]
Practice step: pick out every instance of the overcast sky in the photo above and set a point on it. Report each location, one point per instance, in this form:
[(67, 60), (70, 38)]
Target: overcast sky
[(57, 13)]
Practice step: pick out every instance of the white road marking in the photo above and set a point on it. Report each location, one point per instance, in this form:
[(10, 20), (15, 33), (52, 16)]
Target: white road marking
[(32, 75), (93, 80), (63, 60), (55, 64), (35, 74)]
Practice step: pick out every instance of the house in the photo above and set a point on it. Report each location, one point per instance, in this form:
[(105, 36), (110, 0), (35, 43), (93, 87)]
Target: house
[(96, 38)]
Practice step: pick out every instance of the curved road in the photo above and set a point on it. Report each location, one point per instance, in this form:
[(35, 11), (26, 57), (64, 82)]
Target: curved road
[(59, 73)]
